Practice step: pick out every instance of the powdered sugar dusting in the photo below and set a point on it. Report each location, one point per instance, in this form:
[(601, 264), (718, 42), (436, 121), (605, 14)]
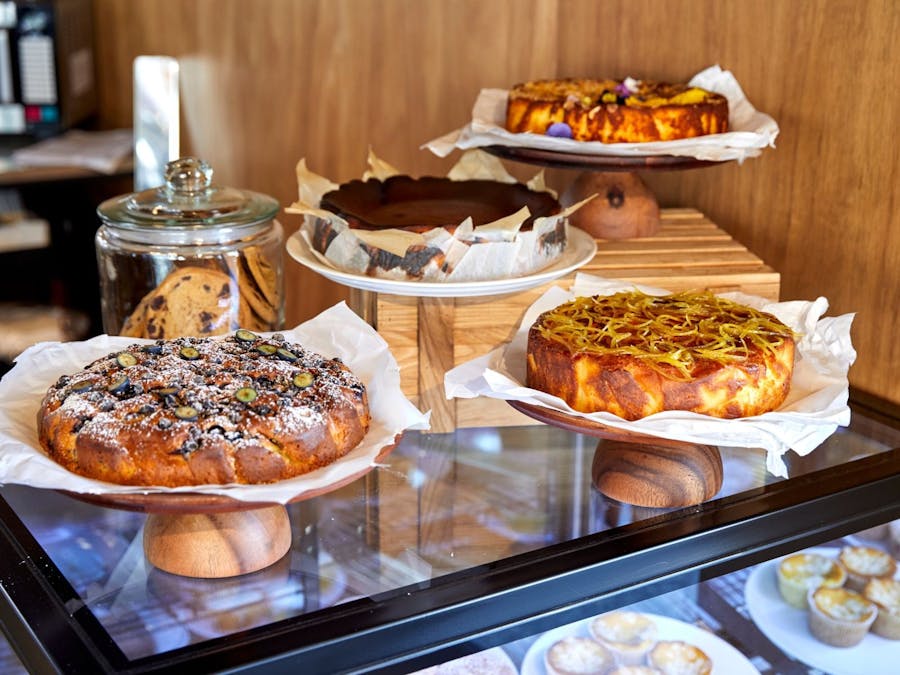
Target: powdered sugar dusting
[(179, 396)]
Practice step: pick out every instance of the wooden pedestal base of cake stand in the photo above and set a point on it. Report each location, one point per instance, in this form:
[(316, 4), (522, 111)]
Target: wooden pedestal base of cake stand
[(211, 536), (657, 473), (641, 470), (217, 545), (621, 205), (624, 207)]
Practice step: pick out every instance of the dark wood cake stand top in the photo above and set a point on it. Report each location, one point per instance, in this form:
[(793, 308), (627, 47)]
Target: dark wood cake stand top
[(571, 160)]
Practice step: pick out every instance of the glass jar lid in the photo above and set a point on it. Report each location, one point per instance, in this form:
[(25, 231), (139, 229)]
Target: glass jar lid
[(189, 207)]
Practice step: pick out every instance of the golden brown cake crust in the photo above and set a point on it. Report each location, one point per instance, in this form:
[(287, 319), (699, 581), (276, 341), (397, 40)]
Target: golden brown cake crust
[(191, 411), (633, 355), (612, 111)]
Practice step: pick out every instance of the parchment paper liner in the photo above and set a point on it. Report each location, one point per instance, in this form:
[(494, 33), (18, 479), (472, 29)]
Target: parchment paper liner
[(335, 332), (750, 130), (503, 250), (814, 409)]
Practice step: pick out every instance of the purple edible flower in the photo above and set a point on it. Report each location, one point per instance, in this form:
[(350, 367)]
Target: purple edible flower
[(627, 87), (559, 130)]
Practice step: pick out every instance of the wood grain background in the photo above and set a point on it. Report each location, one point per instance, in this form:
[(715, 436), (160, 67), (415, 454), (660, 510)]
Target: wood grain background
[(267, 82)]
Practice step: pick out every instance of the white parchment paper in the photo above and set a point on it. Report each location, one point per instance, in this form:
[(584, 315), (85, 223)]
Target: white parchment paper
[(814, 409), (750, 130), (487, 252), (336, 332)]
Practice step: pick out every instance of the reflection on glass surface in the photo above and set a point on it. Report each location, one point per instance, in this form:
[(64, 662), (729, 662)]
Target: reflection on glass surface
[(441, 503), (9, 663)]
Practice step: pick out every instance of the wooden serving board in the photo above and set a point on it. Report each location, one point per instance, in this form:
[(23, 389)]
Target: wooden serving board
[(428, 336)]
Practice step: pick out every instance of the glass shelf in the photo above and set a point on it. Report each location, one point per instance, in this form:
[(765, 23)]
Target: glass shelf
[(460, 542)]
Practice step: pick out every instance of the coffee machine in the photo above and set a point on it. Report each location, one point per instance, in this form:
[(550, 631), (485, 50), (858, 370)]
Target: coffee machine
[(47, 79)]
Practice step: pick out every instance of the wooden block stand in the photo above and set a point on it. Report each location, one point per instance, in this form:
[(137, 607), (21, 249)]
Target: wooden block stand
[(429, 336)]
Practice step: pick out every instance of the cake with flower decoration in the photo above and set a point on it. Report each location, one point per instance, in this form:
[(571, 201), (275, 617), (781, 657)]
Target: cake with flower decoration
[(615, 111)]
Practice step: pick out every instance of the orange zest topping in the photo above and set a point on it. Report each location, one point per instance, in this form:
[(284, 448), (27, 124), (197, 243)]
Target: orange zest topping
[(671, 333)]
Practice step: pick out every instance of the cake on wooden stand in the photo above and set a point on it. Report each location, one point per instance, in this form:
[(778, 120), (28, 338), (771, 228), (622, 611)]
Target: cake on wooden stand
[(193, 412), (634, 355), (613, 111)]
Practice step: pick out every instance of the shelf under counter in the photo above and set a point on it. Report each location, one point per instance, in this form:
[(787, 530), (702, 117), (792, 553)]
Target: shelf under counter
[(459, 542)]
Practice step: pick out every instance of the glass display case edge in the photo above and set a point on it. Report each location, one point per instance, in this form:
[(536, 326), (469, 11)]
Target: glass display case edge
[(471, 610), (26, 614)]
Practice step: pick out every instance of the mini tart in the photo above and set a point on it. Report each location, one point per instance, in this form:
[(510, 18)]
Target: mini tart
[(674, 657), (632, 355), (801, 572), (628, 635), (840, 617), (577, 656), (864, 563), (885, 593)]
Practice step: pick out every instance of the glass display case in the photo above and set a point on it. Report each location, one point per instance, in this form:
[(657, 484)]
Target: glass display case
[(460, 542)]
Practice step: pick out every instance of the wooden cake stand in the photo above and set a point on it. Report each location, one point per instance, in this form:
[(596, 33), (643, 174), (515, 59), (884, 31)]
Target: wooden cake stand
[(212, 536), (623, 206), (638, 469)]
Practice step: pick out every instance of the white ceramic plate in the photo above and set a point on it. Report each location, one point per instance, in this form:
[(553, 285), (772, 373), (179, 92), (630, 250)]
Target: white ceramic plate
[(725, 658), (786, 627), (580, 248)]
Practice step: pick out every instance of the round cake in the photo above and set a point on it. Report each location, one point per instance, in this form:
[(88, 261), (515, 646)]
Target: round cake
[(402, 226), (420, 204), (191, 411), (633, 354), (885, 593), (615, 111)]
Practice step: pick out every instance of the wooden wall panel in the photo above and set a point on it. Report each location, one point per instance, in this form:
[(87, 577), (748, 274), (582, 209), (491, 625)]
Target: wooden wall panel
[(265, 83)]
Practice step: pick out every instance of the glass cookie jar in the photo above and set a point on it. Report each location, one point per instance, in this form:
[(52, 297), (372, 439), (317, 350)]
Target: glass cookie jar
[(190, 258)]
